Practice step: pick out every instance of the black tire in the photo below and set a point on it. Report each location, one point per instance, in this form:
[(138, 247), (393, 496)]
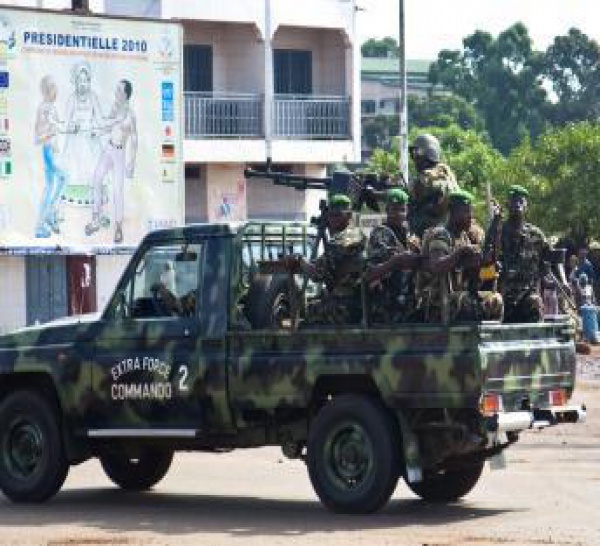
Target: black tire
[(139, 473), (449, 485), (268, 304), (33, 465), (352, 455)]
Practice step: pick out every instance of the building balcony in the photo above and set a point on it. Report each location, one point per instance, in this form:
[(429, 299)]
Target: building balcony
[(311, 117), (223, 115), (234, 115)]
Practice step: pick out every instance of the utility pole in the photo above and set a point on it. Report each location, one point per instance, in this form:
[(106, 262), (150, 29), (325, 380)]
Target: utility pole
[(403, 125), (269, 87)]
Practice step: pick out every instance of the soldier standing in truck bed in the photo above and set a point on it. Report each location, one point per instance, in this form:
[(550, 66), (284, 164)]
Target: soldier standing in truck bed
[(393, 254), (435, 181), (449, 283), (522, 254), (340, 268)]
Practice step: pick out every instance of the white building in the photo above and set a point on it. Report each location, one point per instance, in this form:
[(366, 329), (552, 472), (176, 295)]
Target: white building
[(262, 78)]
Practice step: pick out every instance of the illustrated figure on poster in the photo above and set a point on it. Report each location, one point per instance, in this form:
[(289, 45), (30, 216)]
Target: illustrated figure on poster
[(82, 144), (117, 158), (47, 127), (225, 208)]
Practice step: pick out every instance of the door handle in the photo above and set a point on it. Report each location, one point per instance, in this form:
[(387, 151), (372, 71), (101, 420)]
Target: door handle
[(212, 344)]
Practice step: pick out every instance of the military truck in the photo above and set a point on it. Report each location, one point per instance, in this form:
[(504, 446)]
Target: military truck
[(203, 348)]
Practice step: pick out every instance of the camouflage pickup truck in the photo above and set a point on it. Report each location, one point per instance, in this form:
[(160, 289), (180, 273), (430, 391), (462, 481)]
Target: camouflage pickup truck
[(200, 349)]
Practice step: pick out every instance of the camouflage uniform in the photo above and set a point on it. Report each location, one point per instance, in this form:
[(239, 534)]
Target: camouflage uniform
[(521, 255), (431, 187), (393, 299), (340, 268), (447, 298)]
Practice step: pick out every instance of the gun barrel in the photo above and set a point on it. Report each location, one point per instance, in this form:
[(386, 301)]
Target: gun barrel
[(297, 181)]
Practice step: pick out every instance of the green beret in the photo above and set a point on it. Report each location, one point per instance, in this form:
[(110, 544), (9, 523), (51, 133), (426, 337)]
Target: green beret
[(340, 202), (396, 195), (460, 197), (518, 191)]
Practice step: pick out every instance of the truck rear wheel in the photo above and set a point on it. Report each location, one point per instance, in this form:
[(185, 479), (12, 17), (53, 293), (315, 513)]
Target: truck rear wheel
[(137, 473), (33, 465), (352, 455), (448, 485)]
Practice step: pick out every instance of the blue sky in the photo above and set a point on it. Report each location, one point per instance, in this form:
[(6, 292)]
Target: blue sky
[(432, 25)]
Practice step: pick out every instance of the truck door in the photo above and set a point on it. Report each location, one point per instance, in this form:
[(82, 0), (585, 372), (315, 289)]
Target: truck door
[(151, 359)]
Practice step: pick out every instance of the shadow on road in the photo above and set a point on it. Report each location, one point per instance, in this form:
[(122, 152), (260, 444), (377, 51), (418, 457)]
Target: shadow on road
[(118, 511)]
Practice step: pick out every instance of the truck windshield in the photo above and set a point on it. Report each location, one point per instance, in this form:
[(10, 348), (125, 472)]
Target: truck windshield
[(164, 282)]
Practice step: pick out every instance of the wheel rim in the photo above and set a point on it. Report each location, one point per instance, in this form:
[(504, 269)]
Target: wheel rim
[(23, 449), (349, 456)]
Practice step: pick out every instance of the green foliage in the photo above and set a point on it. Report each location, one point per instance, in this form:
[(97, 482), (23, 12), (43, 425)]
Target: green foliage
[(378, 131), (386, 48), (562, 171), (506, 81), (571, 65), (469, 154), (443, 111), (501, 77)]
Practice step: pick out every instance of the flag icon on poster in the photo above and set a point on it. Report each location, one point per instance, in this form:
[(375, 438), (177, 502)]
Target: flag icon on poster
[(5, 147), (5, 168), (168, 151), (168, 171)]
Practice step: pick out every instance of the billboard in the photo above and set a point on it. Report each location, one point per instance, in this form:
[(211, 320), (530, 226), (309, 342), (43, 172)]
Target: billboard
[(90, 129)]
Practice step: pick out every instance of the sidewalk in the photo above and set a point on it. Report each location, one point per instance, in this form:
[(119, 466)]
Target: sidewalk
[(588, 366)]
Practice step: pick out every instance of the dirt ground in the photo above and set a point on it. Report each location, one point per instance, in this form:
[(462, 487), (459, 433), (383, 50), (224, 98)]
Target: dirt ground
[(549, 493)]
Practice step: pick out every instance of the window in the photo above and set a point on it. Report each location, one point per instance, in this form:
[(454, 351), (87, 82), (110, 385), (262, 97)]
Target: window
[(368, 106), (292, 72), (165, 283), (197, 68)]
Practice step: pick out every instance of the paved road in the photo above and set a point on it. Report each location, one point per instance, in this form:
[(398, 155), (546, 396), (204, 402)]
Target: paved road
[(548, 494)]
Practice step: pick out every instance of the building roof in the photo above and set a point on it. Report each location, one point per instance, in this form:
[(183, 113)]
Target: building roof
[(387, 66)]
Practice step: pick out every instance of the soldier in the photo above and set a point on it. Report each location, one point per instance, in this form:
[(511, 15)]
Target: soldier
[(393, 254), (429, 192), (339, 268), (522, 253), (449, 288)]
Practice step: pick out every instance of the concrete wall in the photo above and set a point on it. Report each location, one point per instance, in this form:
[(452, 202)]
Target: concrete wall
[(12, 293), (328, 56), (238, 57), (196, 197), (226, 192)]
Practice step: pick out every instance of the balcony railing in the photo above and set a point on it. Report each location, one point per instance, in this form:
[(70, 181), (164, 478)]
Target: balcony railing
[(233, 115), (223, 115), (311, 117)]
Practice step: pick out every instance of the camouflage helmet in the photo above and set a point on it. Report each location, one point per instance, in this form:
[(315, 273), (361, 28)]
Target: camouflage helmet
[(426, 146)]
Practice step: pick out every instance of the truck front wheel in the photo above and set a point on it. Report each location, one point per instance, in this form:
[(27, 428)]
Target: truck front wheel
[(137, 473), (33, 465), (448, 485), (352, 455)]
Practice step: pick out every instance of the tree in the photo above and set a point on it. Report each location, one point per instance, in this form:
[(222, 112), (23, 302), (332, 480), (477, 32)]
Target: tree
[(386, 48), (501, 78), (443, 111), (562, 171), (379, 131), (469, 154), (571, 65)]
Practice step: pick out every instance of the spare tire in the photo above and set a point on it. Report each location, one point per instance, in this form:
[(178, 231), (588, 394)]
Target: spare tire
[(268, 301)]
